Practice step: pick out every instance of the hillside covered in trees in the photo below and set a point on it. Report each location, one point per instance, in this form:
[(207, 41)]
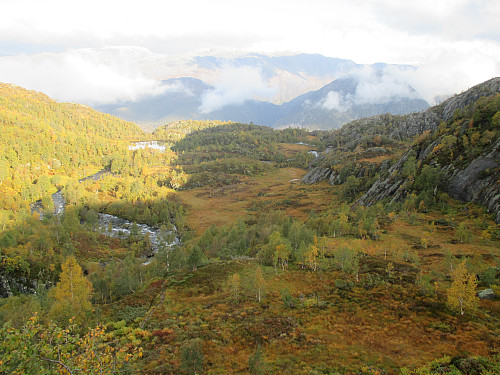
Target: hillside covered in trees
[(43, 141), (219, 247)]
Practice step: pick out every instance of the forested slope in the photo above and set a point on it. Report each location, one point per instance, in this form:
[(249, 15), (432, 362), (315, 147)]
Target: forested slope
[(42, 138)]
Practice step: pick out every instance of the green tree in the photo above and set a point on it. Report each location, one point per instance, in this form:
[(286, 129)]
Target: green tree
[(429, 179), (347, 259), (195, 258), (192, 357), (257, 363), (282, 255), (463, 234), (409, 168), (70, 221), (350, 187)]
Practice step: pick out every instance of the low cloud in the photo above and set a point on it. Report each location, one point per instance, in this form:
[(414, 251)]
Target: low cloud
[(76, 78), (374, 87), (381, 87), (235, 85), (334, 102), (452, 72)]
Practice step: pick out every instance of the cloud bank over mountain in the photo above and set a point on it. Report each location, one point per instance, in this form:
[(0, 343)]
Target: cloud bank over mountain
[(76, 78), (375, 86), (454, 45), (234, 85)]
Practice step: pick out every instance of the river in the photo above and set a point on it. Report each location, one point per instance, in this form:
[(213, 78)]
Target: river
[(121, 228)]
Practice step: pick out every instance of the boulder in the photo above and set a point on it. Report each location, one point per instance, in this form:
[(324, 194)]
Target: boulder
[(486, 294)]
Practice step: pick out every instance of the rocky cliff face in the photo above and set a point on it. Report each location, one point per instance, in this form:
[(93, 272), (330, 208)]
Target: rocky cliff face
[(411, 125), (471, 176), (317, 174), (476, 182)]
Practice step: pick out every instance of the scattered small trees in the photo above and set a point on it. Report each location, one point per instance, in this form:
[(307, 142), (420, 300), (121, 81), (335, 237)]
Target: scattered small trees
[(347, 260)]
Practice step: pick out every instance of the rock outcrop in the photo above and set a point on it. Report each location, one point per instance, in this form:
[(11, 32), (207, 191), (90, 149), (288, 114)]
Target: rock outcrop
[(486, 294), (475, 184), (471, 180), (316, 175), (14, 284)]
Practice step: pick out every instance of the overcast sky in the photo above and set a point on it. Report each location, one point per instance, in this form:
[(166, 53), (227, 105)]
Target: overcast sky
[(445, 38)]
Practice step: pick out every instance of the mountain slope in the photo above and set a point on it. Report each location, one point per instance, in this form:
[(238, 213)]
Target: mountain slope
[(41, 137), (329, 107), (350, 98), (180, 100), (458, 147), (462, 158)]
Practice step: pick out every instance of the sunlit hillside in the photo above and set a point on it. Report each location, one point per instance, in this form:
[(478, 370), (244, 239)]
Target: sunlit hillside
[(212, 247)]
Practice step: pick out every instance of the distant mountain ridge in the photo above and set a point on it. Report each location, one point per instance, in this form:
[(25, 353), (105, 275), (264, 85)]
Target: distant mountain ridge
[(331, 106), (342, 101)]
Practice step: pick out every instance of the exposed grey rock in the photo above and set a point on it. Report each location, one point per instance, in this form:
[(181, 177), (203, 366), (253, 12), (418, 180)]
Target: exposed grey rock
[(464, 185), (11, 284), (462, 100), (469, 182), (486, 294), (415, 124), (317, 174), (390, 186), (334, 179), (470, 185)]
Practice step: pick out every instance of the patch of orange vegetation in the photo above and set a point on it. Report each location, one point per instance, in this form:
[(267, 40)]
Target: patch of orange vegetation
[(377, 159), (290, 149), (389, 326), (280, 189)]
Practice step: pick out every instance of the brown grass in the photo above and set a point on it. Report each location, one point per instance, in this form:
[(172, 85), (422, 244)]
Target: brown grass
[(386, 327), (279, 189)]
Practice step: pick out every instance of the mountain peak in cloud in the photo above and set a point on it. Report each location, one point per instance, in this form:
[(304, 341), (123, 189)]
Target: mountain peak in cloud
[(235, 85)]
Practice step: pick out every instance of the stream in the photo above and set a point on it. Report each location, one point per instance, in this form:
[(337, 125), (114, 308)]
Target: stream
[(120, 228)]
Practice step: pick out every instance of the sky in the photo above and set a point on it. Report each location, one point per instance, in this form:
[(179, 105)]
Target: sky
[(454, 43)]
